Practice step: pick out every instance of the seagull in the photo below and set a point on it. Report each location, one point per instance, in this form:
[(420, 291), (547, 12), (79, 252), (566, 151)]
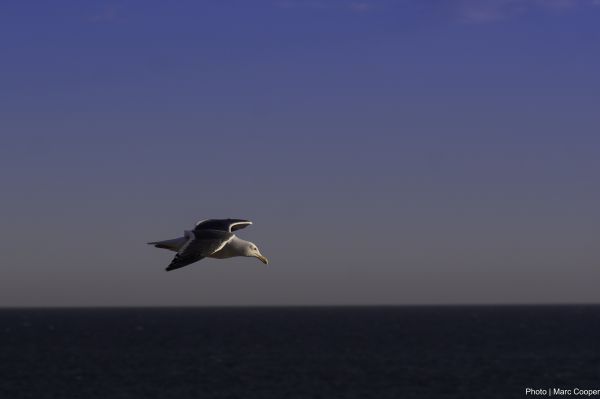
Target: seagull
[(211, 238)]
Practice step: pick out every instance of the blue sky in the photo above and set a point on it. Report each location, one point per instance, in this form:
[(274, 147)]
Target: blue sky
[(392, 152)]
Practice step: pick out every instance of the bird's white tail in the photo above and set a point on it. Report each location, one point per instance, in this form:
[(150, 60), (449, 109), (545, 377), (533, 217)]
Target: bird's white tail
[(171, 245)]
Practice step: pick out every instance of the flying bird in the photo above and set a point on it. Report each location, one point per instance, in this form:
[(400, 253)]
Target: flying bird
[(212, 238)]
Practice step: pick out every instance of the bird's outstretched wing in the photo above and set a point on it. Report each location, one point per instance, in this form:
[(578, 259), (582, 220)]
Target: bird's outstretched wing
[(222, 224), (200, 244)]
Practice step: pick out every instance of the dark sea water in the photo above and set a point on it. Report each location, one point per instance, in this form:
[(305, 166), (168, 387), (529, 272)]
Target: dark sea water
[(370, 352)]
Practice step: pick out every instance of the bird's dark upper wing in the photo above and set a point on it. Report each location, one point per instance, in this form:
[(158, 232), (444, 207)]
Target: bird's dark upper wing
[(200, 245), (222, 224)]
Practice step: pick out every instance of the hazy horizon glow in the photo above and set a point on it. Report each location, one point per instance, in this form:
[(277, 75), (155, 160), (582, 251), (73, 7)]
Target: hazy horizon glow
[(410, 152)]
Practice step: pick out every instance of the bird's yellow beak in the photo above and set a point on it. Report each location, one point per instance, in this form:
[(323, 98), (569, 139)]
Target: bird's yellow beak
[(262, 259)]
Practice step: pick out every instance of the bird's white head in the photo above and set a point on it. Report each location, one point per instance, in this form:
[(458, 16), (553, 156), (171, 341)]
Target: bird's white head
[(252, 250)]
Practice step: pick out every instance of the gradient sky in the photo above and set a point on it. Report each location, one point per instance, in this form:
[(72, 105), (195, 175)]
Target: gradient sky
[(388, 152)]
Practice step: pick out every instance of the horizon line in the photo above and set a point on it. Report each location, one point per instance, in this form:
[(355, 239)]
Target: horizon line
[(424, 305)]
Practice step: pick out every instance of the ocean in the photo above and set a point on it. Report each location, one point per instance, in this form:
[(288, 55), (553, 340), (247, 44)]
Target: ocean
[(298, 352)]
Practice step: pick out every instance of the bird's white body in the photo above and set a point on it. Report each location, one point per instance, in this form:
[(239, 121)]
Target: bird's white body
[(233, 248)]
